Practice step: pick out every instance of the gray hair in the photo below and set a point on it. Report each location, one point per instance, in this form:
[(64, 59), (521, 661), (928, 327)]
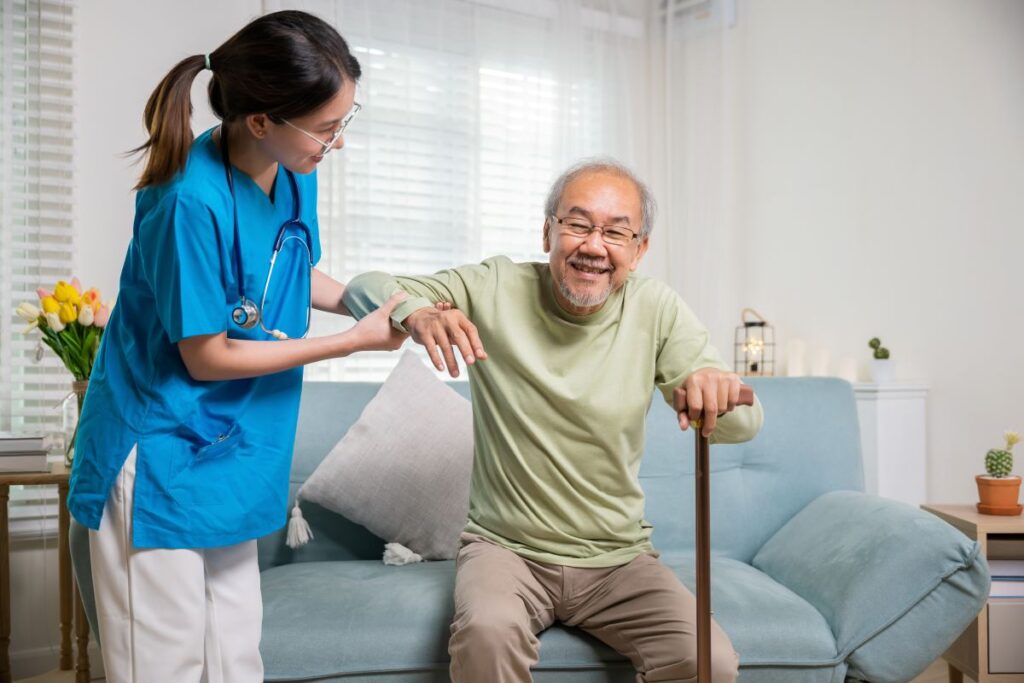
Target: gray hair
[(648, 207)]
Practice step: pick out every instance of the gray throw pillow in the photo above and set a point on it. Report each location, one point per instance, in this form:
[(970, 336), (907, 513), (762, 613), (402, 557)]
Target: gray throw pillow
[(403, 469)]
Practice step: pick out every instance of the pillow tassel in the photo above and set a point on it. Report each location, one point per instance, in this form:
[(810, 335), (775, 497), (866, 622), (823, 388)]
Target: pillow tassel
[(299, 532)]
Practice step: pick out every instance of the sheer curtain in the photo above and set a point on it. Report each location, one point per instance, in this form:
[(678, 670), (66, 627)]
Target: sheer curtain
[(471, 109), (694, 159)]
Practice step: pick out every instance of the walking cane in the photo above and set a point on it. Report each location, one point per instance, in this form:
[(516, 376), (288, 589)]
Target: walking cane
[(702, 476)]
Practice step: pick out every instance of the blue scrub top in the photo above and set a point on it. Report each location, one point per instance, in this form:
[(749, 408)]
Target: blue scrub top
[(213, 458)]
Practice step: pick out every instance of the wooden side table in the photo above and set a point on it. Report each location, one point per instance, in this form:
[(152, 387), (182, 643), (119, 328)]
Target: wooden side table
[(1000, 537), (58, 475)]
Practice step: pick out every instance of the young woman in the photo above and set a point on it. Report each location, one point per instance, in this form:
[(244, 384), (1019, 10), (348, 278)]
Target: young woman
[(185, 443)]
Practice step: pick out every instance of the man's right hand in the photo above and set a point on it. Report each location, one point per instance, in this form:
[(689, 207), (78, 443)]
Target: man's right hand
[(434, 328)]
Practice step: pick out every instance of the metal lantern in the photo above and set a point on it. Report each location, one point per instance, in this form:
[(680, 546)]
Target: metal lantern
[(754, 345)]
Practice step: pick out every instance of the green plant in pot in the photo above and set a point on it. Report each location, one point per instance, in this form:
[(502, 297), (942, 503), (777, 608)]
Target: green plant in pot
[(998, 489), (881, 365)]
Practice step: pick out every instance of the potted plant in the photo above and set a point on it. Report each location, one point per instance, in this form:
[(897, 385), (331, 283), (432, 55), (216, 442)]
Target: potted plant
[(998, 489), (881, 366), (71, 321)]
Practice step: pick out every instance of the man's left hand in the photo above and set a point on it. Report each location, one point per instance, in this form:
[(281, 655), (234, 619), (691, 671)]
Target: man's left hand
[(710, 393)]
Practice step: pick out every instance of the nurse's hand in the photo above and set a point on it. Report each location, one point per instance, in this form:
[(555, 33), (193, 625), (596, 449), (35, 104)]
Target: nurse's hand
[(435, 328), (375, 331)]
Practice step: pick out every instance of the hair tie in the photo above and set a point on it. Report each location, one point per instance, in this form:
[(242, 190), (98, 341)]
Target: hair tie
[(206, 57)]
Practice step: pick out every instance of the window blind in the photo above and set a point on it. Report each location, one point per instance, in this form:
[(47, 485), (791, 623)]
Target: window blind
[(36, 227)]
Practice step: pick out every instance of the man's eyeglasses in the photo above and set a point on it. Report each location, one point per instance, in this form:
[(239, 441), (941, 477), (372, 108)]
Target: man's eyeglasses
[(328, 145), (615, 235)]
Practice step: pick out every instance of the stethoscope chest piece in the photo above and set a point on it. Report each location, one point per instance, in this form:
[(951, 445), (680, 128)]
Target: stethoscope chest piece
[(246, 314)]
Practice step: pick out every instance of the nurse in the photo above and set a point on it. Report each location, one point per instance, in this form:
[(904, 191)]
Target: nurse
[(185, 443)]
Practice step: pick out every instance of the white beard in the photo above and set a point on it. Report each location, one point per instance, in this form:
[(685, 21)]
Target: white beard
[(587, 300)]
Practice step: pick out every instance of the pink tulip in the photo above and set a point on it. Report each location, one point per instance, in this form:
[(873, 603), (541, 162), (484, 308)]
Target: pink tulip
[(43, 293), (102, 316), (76, 284)]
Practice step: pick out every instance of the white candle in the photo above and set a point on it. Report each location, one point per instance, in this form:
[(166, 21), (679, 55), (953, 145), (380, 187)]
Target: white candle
[(795, 358), (819, 368), (848, 369)]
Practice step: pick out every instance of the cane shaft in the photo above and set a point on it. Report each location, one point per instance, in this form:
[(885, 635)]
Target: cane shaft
[(703, 495), (702, 482)]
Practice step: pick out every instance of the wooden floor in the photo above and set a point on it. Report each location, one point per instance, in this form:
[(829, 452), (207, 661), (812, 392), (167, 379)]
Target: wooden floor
[(936, 673)]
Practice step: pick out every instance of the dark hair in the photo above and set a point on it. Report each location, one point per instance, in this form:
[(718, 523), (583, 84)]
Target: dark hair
[(285, 64)]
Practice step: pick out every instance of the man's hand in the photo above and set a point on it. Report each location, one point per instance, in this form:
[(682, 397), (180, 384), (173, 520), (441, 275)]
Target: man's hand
[(435, 327), (708, 392)]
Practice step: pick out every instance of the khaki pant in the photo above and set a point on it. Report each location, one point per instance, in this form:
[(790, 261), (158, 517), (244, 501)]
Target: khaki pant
[(503, 600)]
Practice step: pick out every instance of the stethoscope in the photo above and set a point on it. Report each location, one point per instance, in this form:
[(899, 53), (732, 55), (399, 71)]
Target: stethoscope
[(247, 314)]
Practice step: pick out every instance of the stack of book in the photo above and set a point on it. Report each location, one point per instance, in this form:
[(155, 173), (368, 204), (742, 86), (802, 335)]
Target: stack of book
[(1006, 617), (23, 453), (1007, 578)]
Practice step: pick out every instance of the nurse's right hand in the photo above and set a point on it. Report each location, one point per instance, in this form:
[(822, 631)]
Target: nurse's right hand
[(375, 331)]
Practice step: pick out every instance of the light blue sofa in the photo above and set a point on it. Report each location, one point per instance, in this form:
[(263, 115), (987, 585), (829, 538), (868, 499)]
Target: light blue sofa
[(814, 580)]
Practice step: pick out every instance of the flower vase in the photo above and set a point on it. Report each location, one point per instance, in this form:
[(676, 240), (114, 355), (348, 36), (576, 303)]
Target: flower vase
[(72, 412)]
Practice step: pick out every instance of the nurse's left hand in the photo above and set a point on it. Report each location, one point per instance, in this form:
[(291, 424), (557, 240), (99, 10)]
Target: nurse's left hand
[(375, 331)]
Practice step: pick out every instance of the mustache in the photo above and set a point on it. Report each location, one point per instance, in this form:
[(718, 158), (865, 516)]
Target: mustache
[(590, 262)]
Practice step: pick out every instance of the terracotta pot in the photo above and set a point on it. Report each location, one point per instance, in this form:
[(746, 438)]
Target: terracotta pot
[(999, 495)]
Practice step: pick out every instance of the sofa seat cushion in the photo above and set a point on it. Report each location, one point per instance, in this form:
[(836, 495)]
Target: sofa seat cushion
[(356, 618), (769, 624)]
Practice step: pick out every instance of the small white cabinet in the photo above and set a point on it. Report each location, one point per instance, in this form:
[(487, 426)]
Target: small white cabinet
[(893, 435)]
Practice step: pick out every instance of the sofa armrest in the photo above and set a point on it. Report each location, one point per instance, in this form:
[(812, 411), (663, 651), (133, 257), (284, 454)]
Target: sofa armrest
[(896, 584)]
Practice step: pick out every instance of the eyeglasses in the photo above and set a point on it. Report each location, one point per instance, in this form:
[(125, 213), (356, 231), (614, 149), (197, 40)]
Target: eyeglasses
[(615, 235), (329, 144)]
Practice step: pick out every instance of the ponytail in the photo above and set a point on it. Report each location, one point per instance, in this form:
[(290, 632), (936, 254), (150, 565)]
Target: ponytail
[(168, 119)]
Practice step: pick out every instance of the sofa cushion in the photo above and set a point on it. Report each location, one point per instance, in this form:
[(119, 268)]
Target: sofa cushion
[(397, 471), (896, 584), (355, 618)]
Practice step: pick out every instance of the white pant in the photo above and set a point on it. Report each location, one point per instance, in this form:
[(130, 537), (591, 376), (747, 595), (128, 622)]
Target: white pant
[(173, 615)]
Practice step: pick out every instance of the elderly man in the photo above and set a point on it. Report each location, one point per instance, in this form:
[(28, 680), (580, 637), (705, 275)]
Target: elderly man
[(573, 349)]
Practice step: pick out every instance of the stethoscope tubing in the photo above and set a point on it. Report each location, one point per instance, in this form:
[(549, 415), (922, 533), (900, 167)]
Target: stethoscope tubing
[(247, 315)]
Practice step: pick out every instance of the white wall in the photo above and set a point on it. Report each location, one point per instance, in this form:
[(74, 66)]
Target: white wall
[(882, 193), (123, 50)]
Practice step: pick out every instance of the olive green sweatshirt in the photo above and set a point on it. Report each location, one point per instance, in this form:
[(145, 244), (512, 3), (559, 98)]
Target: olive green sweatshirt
[(559, 406)]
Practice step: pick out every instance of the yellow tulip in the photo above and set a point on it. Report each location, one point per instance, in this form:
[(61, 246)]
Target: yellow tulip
[(50, 305), (68, 313), (66, 293), (61, 291)]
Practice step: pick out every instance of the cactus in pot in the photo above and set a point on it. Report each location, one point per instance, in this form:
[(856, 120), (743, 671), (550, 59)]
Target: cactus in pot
[(881, 353), (881, 366), (999, 490), (998, 461)]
